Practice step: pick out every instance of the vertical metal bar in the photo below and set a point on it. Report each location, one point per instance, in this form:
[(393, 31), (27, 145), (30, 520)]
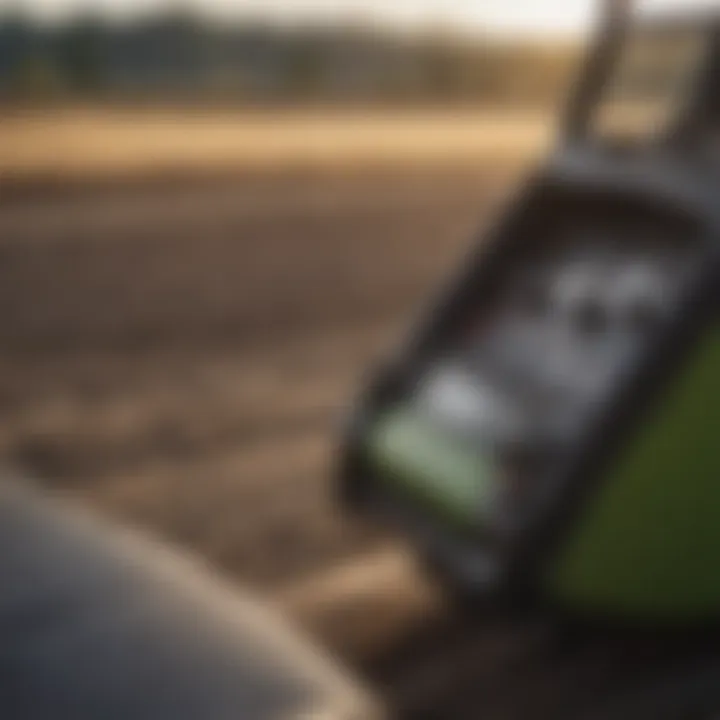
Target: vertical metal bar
[(618, 11), (615, 18)]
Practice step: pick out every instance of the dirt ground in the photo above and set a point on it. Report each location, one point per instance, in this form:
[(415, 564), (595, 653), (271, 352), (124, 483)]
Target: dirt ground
[(182, 358)]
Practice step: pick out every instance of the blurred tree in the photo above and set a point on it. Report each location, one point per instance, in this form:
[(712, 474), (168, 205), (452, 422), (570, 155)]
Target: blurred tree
[(27, 66), (180, 43), (178, 53), (79, 50), (39, 78), (307, 64)]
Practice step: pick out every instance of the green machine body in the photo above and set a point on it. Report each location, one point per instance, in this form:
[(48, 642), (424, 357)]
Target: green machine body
[(550, 432)]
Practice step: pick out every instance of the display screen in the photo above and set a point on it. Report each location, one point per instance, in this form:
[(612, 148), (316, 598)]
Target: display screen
[(531, 366), (650, 84)]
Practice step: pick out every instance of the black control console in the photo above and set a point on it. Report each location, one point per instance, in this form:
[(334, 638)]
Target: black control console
[(528, 372), (537, 341), (550, 428)]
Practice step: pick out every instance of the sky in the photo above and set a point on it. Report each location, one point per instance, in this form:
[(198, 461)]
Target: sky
[(541, 17), (560, 16)]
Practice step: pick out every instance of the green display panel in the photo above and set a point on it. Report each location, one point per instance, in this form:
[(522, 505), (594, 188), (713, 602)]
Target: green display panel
[(648, 543), (414, 456)]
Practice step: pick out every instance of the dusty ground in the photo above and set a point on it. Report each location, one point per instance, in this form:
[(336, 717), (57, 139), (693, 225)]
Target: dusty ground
[(182, 358)]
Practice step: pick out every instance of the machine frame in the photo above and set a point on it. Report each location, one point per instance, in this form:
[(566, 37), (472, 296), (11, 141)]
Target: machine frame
[(563, 550)]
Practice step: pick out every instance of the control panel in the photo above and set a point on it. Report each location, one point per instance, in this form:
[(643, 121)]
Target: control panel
[(535, 363)]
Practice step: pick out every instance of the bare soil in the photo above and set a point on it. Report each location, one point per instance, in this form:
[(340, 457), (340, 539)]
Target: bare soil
[(182, 358)]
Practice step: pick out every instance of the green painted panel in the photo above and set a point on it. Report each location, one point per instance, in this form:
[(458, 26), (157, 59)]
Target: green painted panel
[(417, 457), (649, 544)]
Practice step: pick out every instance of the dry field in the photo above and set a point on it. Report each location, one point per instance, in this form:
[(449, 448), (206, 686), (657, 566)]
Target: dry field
[(181, 358), (180, 352), (92, 144), (178, 356)]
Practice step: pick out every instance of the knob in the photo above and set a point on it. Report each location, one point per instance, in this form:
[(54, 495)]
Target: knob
[(644, 316), (590, 317)]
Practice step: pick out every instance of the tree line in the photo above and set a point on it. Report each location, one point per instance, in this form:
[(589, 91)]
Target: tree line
[(180, 56)]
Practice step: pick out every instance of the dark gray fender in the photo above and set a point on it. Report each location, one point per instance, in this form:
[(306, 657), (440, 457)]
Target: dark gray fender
[(98, 624)]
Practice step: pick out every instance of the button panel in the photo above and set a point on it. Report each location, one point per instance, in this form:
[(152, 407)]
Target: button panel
[(563, 329)]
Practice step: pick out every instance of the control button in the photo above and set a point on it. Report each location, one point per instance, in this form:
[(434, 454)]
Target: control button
[(576, 280), (466, 404), (534, 298), (590, 317), (640, 297), (644, 316)]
